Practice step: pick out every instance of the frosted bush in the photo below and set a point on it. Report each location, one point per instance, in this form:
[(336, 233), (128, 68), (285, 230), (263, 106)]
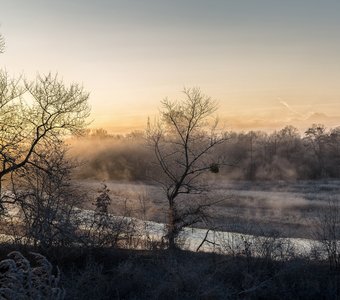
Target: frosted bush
[(19, 280)]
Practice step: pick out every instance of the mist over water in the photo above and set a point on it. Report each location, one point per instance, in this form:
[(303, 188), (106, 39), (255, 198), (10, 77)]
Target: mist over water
[(266, 188), (281, 155), (251, 208), (111, 158)]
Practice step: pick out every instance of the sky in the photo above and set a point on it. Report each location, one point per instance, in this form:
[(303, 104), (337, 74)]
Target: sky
[(268, 63)]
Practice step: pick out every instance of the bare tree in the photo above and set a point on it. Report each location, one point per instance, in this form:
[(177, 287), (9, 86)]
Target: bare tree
[(316, 138), (182, 141), (36, 113)]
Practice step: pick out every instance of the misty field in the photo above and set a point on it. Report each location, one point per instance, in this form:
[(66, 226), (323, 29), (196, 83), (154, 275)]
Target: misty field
[(280, 208)]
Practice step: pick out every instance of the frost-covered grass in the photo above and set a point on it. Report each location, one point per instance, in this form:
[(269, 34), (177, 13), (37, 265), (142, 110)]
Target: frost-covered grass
[(20, 279), (223, 242)]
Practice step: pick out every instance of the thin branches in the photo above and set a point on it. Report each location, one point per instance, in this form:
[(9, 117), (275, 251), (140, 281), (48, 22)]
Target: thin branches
[(183, 141), (35, 114)]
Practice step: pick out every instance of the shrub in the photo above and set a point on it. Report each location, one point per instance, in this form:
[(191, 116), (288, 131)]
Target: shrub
[(19, 280)]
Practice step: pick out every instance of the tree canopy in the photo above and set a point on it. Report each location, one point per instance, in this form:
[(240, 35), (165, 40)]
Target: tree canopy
[(35, 114)]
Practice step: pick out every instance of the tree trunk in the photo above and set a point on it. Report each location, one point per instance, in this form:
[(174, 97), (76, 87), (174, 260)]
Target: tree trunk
[(171, 234)]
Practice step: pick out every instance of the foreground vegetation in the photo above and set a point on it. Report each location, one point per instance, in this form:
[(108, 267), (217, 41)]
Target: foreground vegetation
[(101, 261), (131, 274)]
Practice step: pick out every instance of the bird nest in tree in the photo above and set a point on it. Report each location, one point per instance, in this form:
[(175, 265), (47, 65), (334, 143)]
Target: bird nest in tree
[(214, 168)]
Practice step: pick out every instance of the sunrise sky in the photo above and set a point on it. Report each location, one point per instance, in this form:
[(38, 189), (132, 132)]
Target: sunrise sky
[(268, 63)]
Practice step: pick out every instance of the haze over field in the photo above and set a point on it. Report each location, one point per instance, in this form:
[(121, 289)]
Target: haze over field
[(269, 63)]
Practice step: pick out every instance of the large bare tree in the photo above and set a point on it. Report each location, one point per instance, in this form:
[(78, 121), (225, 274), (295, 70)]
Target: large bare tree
[(183, 140), (36, 113)]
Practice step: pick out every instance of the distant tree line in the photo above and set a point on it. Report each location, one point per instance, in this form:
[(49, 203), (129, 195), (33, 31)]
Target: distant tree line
[(285, 154)]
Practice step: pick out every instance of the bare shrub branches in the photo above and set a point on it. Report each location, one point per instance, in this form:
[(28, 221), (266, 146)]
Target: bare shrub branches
[(46, 200), (328, 231)]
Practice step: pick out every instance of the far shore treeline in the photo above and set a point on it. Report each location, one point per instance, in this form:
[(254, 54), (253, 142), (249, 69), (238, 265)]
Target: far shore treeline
[(285, 154)]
